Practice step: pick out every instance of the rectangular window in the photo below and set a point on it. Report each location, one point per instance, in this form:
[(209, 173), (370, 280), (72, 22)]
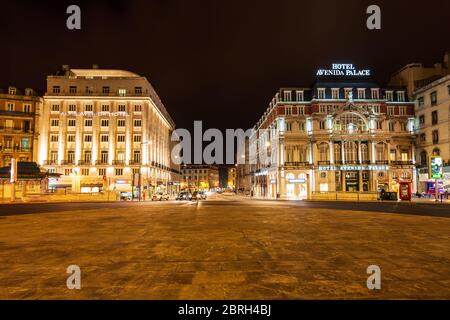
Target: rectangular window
[(137, 123), (120, 138), (88, 138), (72, 108), (137, 108), (122, 92), (391, 126), (88, 123), (137, 138), (322, 125), (435, 136), (70, 138), (27, 108), (54, 123), (321, 93), (104, 156), (433, 97), (138, 90), (421, 101), (402, 111), (55, 107), (56, 89), (88, 108), (105, 90), (434, 117), (85, 172), (361, 93), (300, 96), (54, 156), (71, 156), (422, 120), (390, 111), (54, 138), (121, 108), (105, 108), (400, 96), (71, 123), (119, 172), (389, 96), (87, 156), (102, 172), (288, 111), (375, 93), (105, 123), (287, 96), (72, 89), (121, 123), (137, 156), (335, 93), (347, 92), (104, 138), (10, 107)]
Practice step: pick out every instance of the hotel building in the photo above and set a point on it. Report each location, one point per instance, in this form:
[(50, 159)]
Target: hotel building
[(433, 131), (105, 130), (339, 139), (19, 112)]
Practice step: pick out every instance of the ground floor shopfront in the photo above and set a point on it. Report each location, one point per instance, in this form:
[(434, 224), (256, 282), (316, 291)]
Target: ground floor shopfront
[(319, 182)]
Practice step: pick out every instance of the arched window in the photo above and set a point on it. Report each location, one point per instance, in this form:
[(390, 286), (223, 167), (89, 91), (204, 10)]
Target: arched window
[(350, 123), (351, 151)]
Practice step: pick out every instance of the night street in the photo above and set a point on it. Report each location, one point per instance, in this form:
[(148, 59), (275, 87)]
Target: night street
[(226, 247)]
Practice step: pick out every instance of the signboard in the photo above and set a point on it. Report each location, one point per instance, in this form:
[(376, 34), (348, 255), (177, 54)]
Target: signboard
[(436, 167), (299, 180), (343, 70)]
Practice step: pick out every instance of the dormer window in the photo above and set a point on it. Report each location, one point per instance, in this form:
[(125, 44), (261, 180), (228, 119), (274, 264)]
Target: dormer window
[(12, 91), (335, 93), (56, 89), (347, 92), (361, 93), (122, 92), (287, 96), (300, 96), (400, 96), (389, 96), (375, 94), (321, 93)]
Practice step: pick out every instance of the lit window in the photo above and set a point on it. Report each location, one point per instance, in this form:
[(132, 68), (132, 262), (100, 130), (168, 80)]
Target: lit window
[(321, 93), (122, 92)]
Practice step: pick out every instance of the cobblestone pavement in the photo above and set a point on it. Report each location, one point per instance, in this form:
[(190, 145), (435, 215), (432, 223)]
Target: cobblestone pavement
[(224, 248)]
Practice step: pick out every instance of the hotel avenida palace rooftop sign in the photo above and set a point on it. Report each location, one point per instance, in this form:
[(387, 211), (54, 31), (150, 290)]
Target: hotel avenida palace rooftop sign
[(343, 69)]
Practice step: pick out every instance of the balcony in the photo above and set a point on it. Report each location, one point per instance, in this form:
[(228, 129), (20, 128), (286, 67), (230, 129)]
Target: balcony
[(402, 163), (351, 162), (135, 162), (16, 113), (324, 163), (118, 162), (297, 164), (50, 162), (382, 161), (101, 162), (84, 162), (365, 162), (67, 162)]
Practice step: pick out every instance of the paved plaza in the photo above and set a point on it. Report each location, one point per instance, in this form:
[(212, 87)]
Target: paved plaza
[(224, 248)]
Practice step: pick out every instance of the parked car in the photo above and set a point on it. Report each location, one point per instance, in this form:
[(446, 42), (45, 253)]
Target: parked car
[(184, 196), (202, 195), (160, 196)]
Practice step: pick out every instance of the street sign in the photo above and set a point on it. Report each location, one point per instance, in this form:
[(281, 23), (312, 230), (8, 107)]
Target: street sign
[(436, 167)]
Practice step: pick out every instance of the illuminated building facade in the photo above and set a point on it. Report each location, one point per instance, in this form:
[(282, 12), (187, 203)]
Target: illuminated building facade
[(433, 132), (199, 177), (19, 112), (105, 130), (340, 139)]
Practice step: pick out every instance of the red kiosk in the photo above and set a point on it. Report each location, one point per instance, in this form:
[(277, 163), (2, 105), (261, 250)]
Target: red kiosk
[(405, 190)]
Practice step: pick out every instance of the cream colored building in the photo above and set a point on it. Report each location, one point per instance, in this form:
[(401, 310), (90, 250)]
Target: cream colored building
[(415, 75), (105, 130), (231, 184), (433, 130), (337, 140), (199, 177)]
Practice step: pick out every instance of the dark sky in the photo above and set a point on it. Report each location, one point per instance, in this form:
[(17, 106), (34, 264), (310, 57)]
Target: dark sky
[(215, 60)]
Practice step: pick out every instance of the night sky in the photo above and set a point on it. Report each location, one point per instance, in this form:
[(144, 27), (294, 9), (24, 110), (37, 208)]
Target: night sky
[(218, 61)]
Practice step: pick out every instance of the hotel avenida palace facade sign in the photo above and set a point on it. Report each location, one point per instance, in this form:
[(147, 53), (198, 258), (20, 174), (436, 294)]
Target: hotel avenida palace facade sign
[(340, 138)]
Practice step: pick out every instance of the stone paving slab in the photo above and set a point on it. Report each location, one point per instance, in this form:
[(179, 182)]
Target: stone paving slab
[(214, 251)]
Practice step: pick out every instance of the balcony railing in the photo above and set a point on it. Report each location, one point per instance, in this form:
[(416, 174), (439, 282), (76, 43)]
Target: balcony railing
[(324, 163), (296, 164), (382, 161), (118, 162), (100, 162), (402, 163), (17, 113), (84, 162), (50, 162), (67, 162)]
